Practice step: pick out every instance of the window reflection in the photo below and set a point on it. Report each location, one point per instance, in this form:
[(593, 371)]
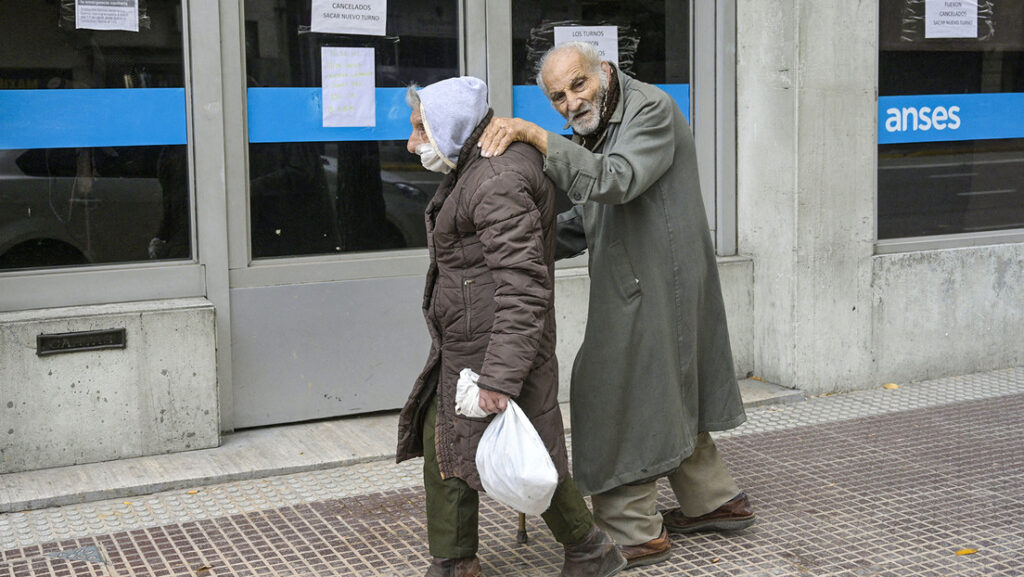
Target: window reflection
[(73, 203), (653, 38), (654, 35), (950, 185), (316, 197)]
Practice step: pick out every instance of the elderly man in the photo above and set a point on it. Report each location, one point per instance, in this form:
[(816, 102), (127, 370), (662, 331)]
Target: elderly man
[(489, 307), (655, 371)]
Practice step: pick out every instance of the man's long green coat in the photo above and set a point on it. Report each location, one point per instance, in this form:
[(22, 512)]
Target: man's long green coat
[(655, 367)]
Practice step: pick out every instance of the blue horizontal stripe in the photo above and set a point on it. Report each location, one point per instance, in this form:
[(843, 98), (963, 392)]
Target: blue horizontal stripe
[(528, 102), (950, 117), (85, 118), (296, 115)]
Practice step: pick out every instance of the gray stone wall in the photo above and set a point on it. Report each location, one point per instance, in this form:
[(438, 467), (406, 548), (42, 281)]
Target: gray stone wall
[(830, 315), (156, 395)]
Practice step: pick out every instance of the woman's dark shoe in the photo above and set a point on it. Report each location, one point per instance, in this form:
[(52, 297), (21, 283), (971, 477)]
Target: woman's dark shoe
[(461, 567), (595, 556)]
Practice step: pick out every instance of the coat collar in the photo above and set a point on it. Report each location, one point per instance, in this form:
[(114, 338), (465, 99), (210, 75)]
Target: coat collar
[(616, 117)]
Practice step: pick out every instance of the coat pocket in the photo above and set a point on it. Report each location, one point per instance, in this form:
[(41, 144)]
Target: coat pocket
[(622, 271), (467, 305)]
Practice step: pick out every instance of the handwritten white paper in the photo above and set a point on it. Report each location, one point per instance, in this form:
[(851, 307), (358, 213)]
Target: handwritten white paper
[(348, 86), (366, 17), (951, 19), (107, 14), (605, 38)]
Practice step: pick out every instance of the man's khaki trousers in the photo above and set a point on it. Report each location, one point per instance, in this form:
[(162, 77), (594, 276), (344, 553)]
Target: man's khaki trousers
[(702, 483)]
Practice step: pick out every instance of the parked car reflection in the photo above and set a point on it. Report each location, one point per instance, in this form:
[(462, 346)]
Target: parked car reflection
[(406, 194), (71, 206), (67, 207)]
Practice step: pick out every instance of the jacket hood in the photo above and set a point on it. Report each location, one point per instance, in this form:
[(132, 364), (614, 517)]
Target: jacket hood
[(451, 109)]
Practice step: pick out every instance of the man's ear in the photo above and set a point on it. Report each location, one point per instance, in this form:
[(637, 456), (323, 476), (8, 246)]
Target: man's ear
[(606, 67)]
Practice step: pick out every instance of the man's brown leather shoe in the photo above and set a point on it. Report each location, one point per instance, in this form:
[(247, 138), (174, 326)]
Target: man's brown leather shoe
[(736, 514), (649, 553), (461, 567)]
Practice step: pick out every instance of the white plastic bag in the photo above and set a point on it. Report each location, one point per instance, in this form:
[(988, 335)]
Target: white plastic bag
[(467, 395), (514, 465)]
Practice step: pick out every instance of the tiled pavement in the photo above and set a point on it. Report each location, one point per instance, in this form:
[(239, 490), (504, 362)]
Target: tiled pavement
[(873, 483)]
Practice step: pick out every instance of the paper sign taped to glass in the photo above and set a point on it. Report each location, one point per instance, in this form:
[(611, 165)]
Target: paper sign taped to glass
[(348, 80), (604, 38), (107, 15), (951, 19), (950, 25), (363, 17)]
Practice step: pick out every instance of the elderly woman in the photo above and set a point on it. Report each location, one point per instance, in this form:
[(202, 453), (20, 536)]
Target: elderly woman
[(489, 307)]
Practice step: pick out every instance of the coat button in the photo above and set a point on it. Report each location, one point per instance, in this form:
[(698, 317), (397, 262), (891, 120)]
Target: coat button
[(576, 196)]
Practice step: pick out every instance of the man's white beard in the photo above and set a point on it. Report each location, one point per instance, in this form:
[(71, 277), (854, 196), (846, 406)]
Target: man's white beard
[(586, 120)]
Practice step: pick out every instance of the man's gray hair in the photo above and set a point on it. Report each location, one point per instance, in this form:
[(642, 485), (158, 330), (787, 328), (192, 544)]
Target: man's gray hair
[(591, 59), (412, 98)]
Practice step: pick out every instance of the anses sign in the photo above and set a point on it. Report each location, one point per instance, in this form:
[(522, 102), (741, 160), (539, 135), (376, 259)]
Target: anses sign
[(911, 118)]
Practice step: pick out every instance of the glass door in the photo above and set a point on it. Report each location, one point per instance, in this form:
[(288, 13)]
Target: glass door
[(326, 317), (97, 187), (319, 185)]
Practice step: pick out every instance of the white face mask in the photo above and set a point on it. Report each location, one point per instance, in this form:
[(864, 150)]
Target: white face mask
[(431, 160)]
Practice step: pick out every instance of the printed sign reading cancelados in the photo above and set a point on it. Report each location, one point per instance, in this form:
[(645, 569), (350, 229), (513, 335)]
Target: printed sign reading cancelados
[(80, 341), (951, 19)]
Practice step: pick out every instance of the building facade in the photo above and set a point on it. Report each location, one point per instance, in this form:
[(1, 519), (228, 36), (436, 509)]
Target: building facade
[(208, 219)]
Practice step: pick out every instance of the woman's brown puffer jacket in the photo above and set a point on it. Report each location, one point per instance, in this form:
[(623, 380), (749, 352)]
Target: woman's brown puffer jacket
[(489, 303)]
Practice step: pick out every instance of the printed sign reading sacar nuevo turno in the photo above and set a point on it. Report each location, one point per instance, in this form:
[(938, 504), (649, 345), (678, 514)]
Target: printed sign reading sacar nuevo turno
[(951, 19), (365, 17)]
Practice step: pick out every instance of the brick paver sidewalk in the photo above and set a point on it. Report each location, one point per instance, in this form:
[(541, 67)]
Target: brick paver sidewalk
[(853, 485)]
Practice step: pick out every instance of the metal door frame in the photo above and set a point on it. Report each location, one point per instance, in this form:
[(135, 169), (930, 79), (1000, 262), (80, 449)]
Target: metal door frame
[(244, 272), (123, 282)]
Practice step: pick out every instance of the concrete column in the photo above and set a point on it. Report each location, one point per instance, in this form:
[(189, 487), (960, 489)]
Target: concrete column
[(806, 154)]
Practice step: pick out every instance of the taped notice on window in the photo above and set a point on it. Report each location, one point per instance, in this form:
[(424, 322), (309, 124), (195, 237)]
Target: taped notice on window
[(365, 17), (951, 19), (604, 38), (348, 96), (107, 15)]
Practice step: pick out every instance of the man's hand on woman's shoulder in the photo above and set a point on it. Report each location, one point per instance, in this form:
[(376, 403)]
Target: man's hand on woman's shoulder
[(501, 132)]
